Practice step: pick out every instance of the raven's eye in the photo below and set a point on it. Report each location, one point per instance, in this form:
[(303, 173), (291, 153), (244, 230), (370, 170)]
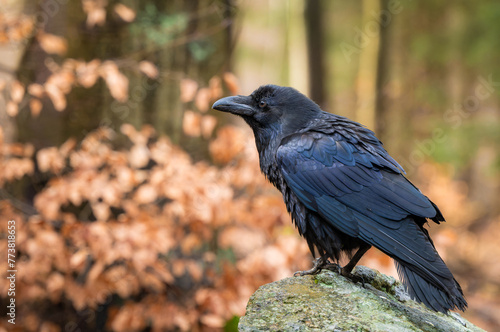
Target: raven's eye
[(262, 104)]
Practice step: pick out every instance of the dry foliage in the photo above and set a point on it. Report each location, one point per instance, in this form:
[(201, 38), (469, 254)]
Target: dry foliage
[(197, 123), (15, 28), (160, 241), (66, 76)]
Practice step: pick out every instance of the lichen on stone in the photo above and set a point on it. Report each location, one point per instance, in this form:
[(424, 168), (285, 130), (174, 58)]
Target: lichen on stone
[(370, 301)]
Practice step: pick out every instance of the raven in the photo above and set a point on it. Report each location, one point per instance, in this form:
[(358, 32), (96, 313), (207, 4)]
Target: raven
[(344, 192)]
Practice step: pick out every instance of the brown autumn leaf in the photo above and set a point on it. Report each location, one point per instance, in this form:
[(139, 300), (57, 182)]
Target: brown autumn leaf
[(189, 242), (12, 108), (188, 89), (191, 124), (231, 82), (52, 44), (78, 259), (230, 142), (202, 100), (16, 92), (213, 321), (208, 123), (55, 283), (96, 12), (139, 156), (101, 211), (145, 194), (87, 73), (15, 149), (178, 267), (124, 12), (149, 69), (67, 146), (215, 86), (63, 79), (195, 271), (117, 82), (36, 90), (56, 96), (35, 107), (16, 168), (49, 159), (49, 326), (130, 131)]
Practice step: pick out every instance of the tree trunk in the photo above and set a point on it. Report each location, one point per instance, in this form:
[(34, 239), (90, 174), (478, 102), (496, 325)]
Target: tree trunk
[(315, 50), (381, 119), (367, 72), (11, 54)]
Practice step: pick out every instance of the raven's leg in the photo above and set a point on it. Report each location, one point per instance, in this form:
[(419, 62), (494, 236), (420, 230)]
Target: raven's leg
[(319, 264), (347, 269)]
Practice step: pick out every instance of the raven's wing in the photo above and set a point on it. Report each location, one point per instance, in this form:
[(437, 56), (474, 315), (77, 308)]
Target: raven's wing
[(343, 181), (360, 191)]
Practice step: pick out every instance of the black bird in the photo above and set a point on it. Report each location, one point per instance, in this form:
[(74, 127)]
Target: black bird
[(345, 193)]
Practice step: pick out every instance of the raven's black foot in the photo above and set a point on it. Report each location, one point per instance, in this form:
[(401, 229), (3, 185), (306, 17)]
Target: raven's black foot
[(319, 264), (346, 272)]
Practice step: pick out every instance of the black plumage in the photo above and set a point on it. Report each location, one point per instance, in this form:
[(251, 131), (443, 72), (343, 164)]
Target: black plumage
[(345, 193)]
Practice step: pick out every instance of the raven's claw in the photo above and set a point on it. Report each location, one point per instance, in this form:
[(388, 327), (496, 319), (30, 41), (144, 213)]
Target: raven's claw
[(320, 264)]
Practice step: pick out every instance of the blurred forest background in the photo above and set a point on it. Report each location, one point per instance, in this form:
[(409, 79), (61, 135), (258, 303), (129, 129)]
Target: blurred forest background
[(138, 208)]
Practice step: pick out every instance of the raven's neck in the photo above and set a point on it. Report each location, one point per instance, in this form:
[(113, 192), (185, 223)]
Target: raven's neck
[(268, 141)]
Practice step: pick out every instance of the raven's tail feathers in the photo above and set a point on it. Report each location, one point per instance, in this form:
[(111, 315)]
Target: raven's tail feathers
[(423, 291)]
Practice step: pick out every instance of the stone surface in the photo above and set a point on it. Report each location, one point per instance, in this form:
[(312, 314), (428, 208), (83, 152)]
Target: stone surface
[(370, 301)]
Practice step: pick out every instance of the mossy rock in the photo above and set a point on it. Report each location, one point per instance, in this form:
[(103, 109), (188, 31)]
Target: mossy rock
[(371, 301)]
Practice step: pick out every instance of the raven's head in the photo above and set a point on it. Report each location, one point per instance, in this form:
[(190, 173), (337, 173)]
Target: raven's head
[(271, 107)]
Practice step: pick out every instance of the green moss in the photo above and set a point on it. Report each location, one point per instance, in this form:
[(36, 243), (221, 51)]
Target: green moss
[(329, 302)]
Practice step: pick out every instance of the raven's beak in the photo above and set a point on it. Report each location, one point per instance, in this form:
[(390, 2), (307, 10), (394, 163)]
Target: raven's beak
[(239, 105)]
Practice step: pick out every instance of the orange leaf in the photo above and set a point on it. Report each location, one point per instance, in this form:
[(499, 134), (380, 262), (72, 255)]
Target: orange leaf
[(52, 44), (146, 194), (101, 211), (12, 108), (191, 124), (78, 259), (36, 90), (215, 87), (35, 107), (56, 96), (87, 73), (117, 82), (149, 69), (139, 156), (230, 142), (231, 82), (212, 320), (16, 92), (208, 123), (188, 89), (124, 12), (55, 282), (96, 13), (203, 98)]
